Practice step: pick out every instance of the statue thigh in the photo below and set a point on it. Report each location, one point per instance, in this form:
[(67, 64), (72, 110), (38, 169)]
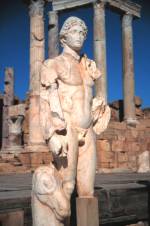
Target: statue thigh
[(86, 168)]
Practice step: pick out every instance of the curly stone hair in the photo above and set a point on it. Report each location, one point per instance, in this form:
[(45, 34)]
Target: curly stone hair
[(71, 21)]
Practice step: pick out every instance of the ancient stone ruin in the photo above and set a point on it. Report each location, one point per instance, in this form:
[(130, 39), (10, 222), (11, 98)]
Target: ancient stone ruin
[(123, 148), (119, 148)]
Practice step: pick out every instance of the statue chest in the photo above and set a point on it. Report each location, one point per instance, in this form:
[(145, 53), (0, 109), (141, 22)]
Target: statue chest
[(70, 73)]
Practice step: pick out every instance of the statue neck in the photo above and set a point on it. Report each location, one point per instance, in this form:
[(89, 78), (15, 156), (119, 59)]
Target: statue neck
[(73, 53)]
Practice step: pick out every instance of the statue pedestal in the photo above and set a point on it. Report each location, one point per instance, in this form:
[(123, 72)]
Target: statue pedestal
[(87, 211)]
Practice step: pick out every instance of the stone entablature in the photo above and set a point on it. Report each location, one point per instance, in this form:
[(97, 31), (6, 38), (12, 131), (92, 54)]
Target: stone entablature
[(121, 5)]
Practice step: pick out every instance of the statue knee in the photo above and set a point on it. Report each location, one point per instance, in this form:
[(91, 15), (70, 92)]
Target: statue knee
[(68, 187), (85, 192)]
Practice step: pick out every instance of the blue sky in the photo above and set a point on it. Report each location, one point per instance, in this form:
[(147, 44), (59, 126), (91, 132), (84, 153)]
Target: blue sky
[(14, 47)]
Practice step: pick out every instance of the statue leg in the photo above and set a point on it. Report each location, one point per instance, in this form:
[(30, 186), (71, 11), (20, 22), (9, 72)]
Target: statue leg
[(87, 166), (70, 171), (67, 166)]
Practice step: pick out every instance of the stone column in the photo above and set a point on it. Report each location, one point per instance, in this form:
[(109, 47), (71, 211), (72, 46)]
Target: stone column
[(7, 101), (128, 70), (53, 43), (36, 59), (100, 48)]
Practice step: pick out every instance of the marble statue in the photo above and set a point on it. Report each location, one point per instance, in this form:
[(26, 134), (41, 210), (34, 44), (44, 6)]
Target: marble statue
[(70, 119)]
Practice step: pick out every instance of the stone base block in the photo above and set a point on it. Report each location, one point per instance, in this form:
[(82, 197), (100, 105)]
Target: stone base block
[(36, 148), (131, 122), (87, 212), (15, 218)]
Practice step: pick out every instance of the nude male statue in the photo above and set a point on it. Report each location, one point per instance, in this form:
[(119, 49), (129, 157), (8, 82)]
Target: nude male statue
[(70, 116)]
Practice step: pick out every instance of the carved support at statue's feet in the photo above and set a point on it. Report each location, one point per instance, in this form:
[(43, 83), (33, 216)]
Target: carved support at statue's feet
[(50, 206)]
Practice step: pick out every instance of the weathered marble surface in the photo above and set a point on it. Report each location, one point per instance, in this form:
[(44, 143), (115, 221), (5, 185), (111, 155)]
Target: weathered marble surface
[(70, 119), (49, 203)]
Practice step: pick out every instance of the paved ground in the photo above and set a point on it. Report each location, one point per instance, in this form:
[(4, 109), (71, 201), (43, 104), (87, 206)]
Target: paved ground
[(112, 190)]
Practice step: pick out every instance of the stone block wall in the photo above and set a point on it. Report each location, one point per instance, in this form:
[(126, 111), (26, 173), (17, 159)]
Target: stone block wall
[(21, 160), (1, 116), (120, 147)]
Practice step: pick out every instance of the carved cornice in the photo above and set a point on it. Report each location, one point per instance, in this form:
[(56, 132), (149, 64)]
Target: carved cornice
[(36, 8), (121, 6), (99, 5)]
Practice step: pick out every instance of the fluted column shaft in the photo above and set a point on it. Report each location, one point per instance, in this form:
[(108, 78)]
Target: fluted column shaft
[(100, 48), (36, 59), (53, 43), (128, 69)]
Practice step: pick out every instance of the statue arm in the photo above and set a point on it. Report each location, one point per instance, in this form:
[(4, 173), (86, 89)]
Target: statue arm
[(51, 115), (100, 111), (101, 115)]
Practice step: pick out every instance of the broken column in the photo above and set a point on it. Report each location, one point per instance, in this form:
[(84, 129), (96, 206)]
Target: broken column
[(15, 132), (7, 101), (128, 69), (53, 43), (100, 48), (16, 116), (36, 60)]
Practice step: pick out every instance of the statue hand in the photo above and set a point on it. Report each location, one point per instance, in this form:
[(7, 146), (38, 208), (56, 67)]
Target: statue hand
[(59, 124), (55, 144)]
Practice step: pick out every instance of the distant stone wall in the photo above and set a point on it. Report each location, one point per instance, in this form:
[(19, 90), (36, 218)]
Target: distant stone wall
[(118, 148), (1, 115), (124, 147)]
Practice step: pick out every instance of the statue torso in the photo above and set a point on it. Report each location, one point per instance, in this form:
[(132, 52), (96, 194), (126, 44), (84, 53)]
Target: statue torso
[(75, 96)]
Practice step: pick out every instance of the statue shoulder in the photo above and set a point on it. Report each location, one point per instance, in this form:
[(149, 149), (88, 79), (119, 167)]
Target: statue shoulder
[(54, 63), (49, 71), (49, 62)]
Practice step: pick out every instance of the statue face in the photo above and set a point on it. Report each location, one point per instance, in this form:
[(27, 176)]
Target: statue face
[(75, 37)]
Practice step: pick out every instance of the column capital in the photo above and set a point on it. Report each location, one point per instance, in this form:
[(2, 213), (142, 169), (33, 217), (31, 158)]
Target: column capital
[(36, 7), (15, 124), (99, 4), (127, 19), (53, 17)]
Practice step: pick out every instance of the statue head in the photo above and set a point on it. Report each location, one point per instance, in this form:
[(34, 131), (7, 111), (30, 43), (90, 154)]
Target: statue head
[(73, 33)]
